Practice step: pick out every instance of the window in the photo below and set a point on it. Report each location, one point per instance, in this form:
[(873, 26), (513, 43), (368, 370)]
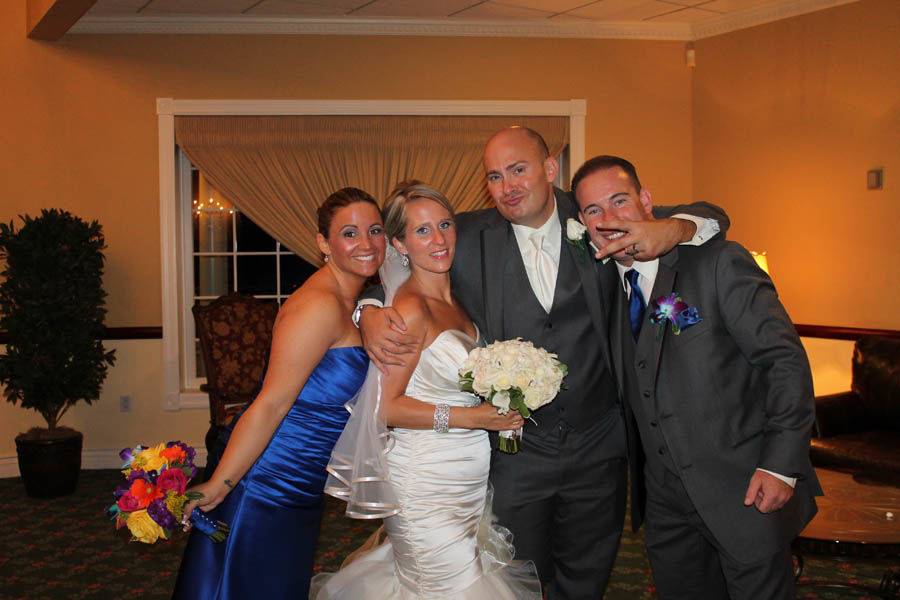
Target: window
[(228, 253), (179, 358)]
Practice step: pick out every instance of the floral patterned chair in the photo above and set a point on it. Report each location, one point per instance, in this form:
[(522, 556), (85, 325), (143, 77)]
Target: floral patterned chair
[(235, 333)]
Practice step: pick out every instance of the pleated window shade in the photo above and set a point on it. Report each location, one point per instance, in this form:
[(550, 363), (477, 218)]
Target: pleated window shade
[(278, 169)]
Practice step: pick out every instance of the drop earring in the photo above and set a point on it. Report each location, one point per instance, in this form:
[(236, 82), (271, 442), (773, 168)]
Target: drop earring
[(405, 260)]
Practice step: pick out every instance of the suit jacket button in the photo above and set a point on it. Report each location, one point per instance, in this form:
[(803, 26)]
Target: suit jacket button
[(642, 364), (646, 394), (653, 423), (661, 451)]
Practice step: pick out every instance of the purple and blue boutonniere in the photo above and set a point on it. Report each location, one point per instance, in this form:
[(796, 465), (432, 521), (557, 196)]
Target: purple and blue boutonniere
[(673, 309)]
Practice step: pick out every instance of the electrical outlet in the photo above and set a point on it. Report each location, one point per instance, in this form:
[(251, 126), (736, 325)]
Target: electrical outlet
[(124, 403)]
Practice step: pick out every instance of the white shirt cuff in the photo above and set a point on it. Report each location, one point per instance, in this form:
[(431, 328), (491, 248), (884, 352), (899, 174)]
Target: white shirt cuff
[(364, 302), (706, 229), (370, 302), (791, 481)]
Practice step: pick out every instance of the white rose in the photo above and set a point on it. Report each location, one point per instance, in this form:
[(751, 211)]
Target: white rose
[(575, 230), (501, 401)]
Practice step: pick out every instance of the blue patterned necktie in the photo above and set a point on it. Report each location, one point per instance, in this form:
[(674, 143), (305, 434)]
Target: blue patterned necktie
[(635, 303)]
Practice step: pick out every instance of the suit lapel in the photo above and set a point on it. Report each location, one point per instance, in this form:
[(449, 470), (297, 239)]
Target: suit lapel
[(652, 337), (617, 325), (494, 247), (586, 266)]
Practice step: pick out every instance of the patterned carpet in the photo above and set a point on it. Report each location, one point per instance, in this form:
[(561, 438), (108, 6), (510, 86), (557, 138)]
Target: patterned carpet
[(66, 548)]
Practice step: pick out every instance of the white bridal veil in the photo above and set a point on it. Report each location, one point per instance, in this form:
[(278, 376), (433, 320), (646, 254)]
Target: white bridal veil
[(357, 471)]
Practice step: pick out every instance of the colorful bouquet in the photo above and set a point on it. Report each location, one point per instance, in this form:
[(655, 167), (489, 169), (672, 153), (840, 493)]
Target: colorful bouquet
[(151, 501), (512, 375)]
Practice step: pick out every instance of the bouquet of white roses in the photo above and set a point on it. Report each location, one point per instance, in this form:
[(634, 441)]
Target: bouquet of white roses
[(512, 375)]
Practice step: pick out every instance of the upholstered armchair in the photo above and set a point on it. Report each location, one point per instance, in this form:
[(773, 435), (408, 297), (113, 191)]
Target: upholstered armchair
[(859, 431), (235, 333)]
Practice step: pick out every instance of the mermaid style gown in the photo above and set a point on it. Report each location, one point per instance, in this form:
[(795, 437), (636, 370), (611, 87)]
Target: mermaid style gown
[(275, 509), (442, 544)]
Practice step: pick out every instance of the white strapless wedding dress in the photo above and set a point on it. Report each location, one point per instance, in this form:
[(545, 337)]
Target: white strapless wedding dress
[(442, 544)]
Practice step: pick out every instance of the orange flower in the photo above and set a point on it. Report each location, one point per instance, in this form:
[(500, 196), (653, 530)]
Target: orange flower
[(145, 492), (173, 454)]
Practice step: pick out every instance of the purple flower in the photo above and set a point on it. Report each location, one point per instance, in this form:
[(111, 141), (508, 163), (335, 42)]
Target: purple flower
[(160, 513), (121, 490), (136, 474), (128, 454), (675, 310)]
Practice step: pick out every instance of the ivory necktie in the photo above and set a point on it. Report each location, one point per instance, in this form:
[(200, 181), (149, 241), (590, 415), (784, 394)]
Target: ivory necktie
[(545, 272)]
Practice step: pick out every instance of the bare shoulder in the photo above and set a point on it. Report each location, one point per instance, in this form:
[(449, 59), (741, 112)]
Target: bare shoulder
[(414, 310), (312, 307)]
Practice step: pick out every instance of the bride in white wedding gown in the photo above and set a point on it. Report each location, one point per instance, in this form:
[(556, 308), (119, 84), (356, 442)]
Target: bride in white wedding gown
[(428, 475)]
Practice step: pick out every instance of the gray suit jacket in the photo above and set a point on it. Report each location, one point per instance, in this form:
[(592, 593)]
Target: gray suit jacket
[(484, 245), (730, 394)]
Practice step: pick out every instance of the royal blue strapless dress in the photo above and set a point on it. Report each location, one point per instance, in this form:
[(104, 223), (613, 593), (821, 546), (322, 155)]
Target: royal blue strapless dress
[(275, 509)]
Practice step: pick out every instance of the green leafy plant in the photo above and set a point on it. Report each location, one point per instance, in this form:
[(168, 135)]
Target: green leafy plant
[(52, 307)]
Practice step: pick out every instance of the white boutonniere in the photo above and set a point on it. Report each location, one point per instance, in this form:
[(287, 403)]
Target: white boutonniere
[(576, 234)]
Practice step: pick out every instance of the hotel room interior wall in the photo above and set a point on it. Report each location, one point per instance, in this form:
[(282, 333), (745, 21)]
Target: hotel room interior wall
[(138, 374), (788, 117), (80, 132)]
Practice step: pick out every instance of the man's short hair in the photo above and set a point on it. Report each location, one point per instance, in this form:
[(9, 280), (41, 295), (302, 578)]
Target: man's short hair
[(602, 163)]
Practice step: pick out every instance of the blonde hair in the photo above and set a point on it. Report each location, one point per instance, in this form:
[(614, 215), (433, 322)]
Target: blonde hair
[(394, 212)]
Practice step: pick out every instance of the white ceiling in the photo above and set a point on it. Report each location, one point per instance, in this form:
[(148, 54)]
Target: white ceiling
[(653, 19)]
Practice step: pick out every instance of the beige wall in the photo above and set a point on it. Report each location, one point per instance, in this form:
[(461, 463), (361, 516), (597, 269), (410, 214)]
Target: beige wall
[(79, 131), (788, 117), (137, 373), (81, 111), (778, 124)]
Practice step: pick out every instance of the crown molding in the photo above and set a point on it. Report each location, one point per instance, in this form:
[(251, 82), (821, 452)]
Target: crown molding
[(392, 27), (632, 30), (762, 15)]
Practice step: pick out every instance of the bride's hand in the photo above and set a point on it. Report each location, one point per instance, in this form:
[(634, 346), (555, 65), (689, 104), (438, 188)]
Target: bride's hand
[(486, 417)]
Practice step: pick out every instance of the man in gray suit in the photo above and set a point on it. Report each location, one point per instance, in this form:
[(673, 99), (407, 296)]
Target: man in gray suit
[(563, 495), (719, 403)]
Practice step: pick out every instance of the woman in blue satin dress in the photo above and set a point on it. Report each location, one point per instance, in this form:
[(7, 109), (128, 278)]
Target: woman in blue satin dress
[(268, 485)]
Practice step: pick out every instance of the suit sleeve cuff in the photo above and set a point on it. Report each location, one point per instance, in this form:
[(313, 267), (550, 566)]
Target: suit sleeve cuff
[(791, 481), (706, 229)]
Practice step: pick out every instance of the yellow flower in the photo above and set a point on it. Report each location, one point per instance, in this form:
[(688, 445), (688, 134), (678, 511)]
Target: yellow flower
[(150, 459), (143, 528), (175, 504)]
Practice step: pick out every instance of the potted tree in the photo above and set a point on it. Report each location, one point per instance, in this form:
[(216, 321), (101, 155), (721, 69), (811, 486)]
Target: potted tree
[(52, 306)]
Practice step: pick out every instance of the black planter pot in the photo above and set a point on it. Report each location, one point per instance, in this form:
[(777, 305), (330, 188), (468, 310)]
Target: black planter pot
[(49, 468)]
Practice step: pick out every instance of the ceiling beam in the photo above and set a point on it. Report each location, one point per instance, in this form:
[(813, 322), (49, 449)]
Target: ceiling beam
[(50, 19)]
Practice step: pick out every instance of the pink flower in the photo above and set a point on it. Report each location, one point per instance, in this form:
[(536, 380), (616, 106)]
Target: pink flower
[(172, 480), (128, 503)]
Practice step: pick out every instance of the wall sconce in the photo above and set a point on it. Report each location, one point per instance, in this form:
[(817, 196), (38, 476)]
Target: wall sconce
[(762, 260)]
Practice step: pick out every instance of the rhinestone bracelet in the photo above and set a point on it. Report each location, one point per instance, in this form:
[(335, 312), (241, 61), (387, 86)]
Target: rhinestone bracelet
[(442, 418)]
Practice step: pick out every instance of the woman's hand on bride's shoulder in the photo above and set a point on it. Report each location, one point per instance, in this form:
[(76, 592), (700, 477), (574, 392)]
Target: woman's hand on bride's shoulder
[(485, 416)]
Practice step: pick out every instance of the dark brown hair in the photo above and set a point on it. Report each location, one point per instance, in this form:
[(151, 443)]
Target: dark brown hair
[(602, 163), (338, 200)]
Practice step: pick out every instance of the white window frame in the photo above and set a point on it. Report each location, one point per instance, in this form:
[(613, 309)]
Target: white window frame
[(189, 379), (172, 180)]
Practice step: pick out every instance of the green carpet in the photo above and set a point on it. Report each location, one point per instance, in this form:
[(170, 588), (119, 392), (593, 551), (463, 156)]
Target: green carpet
[(66, 548)]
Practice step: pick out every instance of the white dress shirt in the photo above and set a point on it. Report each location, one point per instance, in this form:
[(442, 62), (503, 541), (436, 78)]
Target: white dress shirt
[(646, 278), (551, 232)]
